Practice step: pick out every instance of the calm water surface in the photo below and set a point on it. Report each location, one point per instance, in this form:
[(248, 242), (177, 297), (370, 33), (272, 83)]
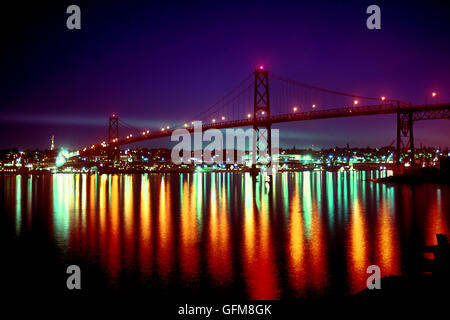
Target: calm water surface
[(223, 234)]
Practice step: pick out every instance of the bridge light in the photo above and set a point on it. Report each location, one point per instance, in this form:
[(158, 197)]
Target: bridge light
[(143, 133), (214, 120), (148, 131), (131, 135), (249, 115), (223, 118), (383, 98), (263, 112), (313, 106), (162, 129), (295, 109), (433, 94), (355, 102), (261, 67)]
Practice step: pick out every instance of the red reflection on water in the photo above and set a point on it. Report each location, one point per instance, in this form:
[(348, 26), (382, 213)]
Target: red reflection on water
[(387, 241), (436, 221)]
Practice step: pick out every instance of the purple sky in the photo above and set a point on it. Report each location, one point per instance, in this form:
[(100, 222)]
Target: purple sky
[(158, 63)]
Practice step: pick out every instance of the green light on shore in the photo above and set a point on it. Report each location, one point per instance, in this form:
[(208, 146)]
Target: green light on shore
[(63, 156)]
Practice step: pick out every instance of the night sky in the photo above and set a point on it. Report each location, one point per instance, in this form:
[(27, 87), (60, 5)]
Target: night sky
[(158, 63)]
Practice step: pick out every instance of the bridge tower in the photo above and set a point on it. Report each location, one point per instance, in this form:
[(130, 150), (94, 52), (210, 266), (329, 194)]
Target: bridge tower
[(405, 136), (261, 115), (113, 128)]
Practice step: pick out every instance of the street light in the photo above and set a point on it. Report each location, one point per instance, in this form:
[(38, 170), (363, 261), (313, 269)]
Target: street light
[(249, 115), (355, 102), (313, 106), (295, 109), (223, 118), (433, 94), (383, 98)]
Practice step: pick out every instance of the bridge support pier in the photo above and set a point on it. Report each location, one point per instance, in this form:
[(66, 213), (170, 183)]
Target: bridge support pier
[(262, 136), (405, 135), (113, 135), (113, 128)]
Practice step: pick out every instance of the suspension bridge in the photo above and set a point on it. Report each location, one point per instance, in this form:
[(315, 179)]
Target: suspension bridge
[(251, 103)]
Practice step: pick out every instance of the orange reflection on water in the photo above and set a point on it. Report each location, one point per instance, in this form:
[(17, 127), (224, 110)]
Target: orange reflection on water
[(101, 233), (128, 220), (145, 240), (91, 220), (113, 245), (165, 237), (219, 260), (358, 253), (258, 255), (296, 253), (189, 241)]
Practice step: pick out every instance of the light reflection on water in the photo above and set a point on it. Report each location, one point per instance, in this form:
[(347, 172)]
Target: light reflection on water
[(314, 233)]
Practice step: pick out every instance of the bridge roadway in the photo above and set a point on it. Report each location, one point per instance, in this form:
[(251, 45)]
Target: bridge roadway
[(420, 112)]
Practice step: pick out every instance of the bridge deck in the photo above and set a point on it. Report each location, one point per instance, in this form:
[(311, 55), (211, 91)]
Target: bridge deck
[(420, 112)]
